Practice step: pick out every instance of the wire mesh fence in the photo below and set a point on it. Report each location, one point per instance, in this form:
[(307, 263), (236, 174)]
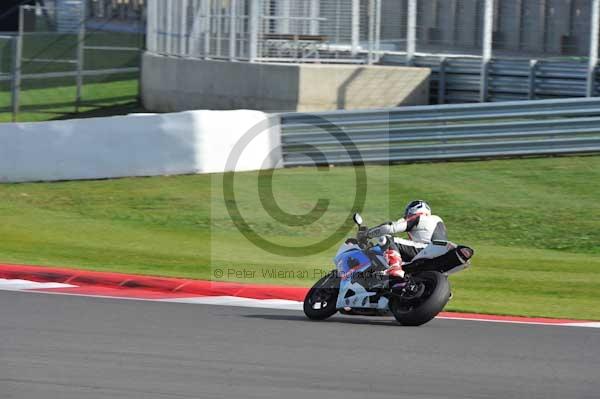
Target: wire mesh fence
[(49, 38), (63, 61), (394, 25), (542, 28), (520, 28), (198, 29), (269, 30), (7, 44), (117, 12), (444, 26), (318, 30)]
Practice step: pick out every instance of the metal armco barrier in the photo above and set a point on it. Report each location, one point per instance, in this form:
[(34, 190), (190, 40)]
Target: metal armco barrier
[(442, 132), (458, 79)]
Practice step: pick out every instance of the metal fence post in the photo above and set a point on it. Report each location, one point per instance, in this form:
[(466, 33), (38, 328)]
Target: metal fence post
[(378, 29), (442, 81), (285, 10), (80, 57), (355, 26), (254, 28), (169, 31), (488, 25), (532, 76), (17, 64), (232, 29), (371, 18), (218, 13), (183, 29), (206, 26), (593, 62), (411, 33), (314, 17), (152, 24)]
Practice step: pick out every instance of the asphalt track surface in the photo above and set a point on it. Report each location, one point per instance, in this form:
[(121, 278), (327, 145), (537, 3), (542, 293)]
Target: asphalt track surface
[(55, 346)]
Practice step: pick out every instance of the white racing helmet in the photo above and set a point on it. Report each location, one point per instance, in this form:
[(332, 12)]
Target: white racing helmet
[(417, 207)]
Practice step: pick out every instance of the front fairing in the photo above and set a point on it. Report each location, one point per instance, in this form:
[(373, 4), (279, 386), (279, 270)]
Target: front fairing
[(352, 259), (350, 262)]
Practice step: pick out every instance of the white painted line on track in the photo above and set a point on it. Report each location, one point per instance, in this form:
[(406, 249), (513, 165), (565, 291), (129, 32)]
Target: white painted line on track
[(539, 323), (23, 285), (238, 301), (590, 324)]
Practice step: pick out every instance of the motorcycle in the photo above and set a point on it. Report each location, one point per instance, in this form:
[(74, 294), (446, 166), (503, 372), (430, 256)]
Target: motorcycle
[(364, 284)]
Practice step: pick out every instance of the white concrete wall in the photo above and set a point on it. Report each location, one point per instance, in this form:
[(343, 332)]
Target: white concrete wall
[(136, 145)]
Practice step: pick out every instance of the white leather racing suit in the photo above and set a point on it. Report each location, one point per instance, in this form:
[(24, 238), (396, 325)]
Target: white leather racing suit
[(421, 230)]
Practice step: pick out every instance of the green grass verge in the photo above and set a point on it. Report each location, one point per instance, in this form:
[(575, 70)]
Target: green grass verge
[(100, 98), (533, 222)]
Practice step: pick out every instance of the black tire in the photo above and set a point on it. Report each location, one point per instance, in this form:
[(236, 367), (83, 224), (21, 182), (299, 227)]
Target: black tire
[(421, 310), (325, 291)]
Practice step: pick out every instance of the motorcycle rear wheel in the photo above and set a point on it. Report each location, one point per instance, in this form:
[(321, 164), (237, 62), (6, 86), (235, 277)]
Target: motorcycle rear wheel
[(320, 302), (416, 312)]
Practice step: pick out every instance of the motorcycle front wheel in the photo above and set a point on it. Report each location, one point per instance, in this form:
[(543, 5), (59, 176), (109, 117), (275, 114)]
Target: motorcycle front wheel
[(320, 301), (418, 311)]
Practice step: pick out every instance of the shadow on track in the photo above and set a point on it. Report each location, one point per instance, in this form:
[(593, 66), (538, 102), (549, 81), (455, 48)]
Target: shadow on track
[(383, 321)]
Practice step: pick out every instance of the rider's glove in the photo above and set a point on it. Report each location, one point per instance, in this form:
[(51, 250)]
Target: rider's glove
[(362, 235), (381, 230)]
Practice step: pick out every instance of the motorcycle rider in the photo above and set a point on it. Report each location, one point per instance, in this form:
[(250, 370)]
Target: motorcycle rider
[(421, 226)]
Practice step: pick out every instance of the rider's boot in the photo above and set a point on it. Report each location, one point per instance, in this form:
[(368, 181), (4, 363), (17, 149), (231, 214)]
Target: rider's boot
[(394, 260), (393, 273)]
